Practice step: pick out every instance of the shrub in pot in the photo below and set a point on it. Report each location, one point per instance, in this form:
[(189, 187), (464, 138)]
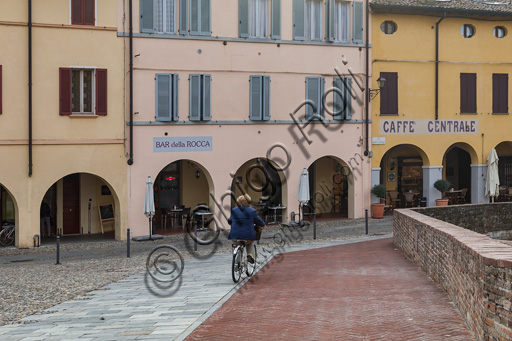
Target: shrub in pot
[(378, 209), (442, 185)]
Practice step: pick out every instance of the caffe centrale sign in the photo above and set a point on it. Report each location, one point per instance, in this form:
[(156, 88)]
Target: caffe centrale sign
[(182, 144), (428, 127)]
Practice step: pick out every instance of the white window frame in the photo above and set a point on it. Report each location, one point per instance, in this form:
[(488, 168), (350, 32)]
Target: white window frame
[(345, 21), (308, 25), (165, 16), (93, 90), (255, 24)]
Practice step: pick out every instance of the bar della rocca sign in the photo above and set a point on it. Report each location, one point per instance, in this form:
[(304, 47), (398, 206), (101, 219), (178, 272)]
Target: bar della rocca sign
[(428, 127), (182, 144)]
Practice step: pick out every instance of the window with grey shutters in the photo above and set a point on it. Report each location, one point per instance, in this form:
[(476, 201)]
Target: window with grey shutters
[(299, 12), (314, 98), (253, 21), (275, 32), (200, 97), (259, 103), (342, 101), (200, 17), (167, 96), (357, 19), (158, 16)]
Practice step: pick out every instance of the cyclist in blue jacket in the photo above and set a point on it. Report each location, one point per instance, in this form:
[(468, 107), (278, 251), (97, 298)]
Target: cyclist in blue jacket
[(242, 221)]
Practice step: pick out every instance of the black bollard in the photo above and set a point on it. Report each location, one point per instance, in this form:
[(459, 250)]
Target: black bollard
[(314, 225), (195, 234), (366, 220), (128, 243), (58, 250)]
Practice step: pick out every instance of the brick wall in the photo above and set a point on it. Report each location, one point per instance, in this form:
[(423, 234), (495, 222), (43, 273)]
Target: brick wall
[(475, 270)]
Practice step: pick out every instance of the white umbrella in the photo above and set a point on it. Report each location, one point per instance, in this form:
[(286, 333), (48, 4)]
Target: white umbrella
[(303, 192), (149, 202), (492, 183)]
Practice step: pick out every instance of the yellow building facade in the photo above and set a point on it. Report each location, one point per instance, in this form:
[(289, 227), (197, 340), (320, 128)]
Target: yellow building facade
[(62, 120), (445, 102)]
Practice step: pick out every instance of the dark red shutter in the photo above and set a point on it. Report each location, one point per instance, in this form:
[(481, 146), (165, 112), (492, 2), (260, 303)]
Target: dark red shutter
[(88, 12), (504, 93), (389, 94), (468, 93), (500, 93), (65, 91), (0, 89), (76, 12), (101, 92)]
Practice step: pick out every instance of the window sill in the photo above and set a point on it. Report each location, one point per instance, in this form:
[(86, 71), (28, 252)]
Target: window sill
[(389, 115), (500, 113), (468, 113), (83, 115)]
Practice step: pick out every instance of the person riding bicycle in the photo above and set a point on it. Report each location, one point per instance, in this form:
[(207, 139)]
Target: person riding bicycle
[(242, 221)]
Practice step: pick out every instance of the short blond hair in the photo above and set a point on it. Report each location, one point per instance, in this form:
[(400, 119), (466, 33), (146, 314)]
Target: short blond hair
[(243, 200)]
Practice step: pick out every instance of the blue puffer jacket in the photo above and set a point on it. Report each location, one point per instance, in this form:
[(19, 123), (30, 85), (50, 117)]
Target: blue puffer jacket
[(242, 222)]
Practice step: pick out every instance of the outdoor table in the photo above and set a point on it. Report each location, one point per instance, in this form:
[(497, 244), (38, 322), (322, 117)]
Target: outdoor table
[(275, 208), (452, 196), (175, 214), (202, 214)]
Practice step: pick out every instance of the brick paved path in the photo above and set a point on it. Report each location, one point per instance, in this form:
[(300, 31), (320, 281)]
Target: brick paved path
[(356, 291)]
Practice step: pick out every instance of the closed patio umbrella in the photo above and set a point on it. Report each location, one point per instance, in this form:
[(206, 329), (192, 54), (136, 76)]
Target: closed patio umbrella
[(303, 192), (492, 183), (149, 203)]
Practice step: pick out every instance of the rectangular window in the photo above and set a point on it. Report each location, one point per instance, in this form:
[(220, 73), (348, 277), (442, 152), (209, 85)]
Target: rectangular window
[(83, 91), (341, 21), (314, 98), (200, 17), (200, 97), (82, 12), (259, 106), (253, 19), (258, 18), (499, 93), (167, 97), (468, 93), (313, 20), (342, 103), (357, 22), (389, 94), (165, 11), (161, 16)]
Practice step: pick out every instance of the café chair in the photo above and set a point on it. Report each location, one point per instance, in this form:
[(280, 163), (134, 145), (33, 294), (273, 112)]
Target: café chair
[(461, 198)]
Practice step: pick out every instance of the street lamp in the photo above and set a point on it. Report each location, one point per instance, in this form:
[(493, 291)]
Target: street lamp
[(374, 92)]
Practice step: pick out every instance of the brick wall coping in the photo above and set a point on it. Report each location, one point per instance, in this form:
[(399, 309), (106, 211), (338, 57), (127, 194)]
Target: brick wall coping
[(489, 251)]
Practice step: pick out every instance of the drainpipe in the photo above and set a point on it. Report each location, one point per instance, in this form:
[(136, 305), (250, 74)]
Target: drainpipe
[(29, 88), (437, 64), (367, 106), (130, 160)]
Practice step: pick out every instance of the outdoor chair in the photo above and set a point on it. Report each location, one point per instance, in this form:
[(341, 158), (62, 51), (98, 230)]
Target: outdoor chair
[(393, 198), (409, 199), (461, 198)]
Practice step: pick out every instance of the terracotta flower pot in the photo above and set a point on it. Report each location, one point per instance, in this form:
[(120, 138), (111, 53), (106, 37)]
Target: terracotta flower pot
[(441, 202), (377, 211)]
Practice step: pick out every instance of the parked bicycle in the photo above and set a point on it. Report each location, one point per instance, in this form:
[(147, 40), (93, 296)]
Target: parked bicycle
[(7, 235), (240, 263)]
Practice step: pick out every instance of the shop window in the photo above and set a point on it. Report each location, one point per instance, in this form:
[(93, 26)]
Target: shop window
[(82, 12), (467, 30), (500, 93), (167, 97), (200, 97), (388, 27), (83, 91), (499, 32), (342, 101), (259, 106), (389, 94), (468, 93), (314, 95)]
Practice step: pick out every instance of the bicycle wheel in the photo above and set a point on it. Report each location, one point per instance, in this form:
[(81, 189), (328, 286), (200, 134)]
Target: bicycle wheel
[(237, 265), (3, 237), (252, 266), (9, 240)]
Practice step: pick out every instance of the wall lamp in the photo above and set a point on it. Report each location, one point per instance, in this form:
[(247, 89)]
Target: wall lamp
[(374, 92)]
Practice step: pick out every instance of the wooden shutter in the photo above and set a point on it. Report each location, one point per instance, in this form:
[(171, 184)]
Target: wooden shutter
[(205, 15), (101, 91), (65, 91), (348, 98), (76, 12), (357, 20), (194, 17), (275, 29), (183, 17), (500, 93), (468, 92), (299, 19), (175, 97), (147, 16), (89, 12), (0, 89), (255, 98), (195, 97), (207, 97), (163, 97), (266, 98), (243, 18), (329, 20), (389, 94), (314, 93), (339, 99)]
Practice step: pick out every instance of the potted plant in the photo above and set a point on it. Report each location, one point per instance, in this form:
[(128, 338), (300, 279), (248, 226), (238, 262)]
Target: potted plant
[(442, 186), (378, 209)]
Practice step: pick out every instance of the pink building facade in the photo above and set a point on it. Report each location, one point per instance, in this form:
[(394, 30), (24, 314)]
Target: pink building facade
[(233, 97)]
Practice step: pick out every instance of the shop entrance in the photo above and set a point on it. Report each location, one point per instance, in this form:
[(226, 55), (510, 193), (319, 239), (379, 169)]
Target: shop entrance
[(7, 210), (504, 151), (457, 168)]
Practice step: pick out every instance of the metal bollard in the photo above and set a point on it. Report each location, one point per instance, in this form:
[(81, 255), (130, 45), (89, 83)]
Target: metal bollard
[(314, 225), (58, 250), (37, 243), (366, 220), (195, 234), (128, 243)]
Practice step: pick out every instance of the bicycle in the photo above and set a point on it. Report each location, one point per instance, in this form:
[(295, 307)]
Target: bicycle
[(7, 235), (240, 263)]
